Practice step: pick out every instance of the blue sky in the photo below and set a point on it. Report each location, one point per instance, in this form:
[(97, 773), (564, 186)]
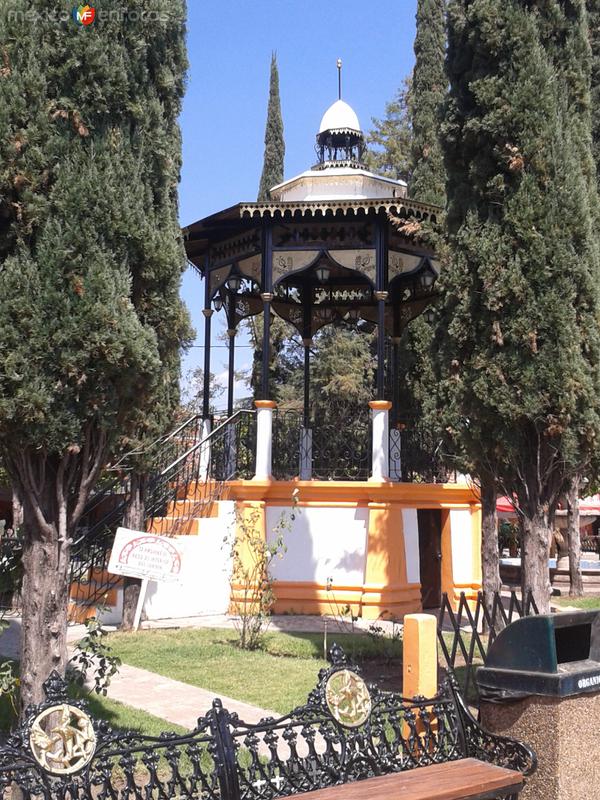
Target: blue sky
[(224, 113)]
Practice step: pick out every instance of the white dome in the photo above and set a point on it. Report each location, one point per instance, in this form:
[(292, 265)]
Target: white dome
[(339, 116)]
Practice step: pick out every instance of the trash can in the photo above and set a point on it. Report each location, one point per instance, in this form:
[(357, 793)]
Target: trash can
[(541, 684)]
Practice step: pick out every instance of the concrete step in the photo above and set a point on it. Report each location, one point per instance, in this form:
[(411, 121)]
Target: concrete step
[(199, 508), (79, 614), (165, 525), (83, 591), (201, 490)]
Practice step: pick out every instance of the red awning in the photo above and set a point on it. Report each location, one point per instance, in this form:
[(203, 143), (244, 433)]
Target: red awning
[(588, 505), (504, 506)]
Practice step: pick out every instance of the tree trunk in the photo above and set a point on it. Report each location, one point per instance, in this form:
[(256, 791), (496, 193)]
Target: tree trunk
[(135, 519), (17, 511), (574, 539), (490, 555), (45, 597), (535, 551)]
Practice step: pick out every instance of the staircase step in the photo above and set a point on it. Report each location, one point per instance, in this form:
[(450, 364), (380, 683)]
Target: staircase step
[(102, 596), (191, 506), (201, 490), (165, 525), (80, 614)]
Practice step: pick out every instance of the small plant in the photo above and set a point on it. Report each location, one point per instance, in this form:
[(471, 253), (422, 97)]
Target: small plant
[(252, 582), (387, 643), (93, 657), (9, 682), (11, 569)]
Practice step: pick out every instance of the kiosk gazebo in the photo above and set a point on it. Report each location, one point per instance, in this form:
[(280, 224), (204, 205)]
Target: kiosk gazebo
[(338, 242)]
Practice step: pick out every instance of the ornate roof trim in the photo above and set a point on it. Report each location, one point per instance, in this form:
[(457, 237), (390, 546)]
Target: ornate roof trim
[(340, 131), (392, 205)]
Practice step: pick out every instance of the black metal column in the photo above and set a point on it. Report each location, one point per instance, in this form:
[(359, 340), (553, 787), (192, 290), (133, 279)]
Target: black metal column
[(208, 312), (395, 379), (395, 366), (231, 320), (381, 295), (267, 296), (306, 417), (307, 342), (231, 371)]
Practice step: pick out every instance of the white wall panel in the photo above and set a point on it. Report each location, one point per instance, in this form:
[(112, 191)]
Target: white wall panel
[(321, 543), (206, 567), (462, 545), (411, 544)]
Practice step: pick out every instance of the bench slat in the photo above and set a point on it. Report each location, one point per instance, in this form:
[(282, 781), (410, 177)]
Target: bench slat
[(467, 779)]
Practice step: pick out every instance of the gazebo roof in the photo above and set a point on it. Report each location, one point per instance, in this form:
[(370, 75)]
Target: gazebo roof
[(243, 217)]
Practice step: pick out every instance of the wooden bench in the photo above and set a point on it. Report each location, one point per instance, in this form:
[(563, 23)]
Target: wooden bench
[(349, 739)]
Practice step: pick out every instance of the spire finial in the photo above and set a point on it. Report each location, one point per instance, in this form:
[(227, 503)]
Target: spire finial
[(339, 66)]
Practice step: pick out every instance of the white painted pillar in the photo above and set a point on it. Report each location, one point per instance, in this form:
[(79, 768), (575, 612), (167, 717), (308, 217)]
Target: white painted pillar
[(204, 471), (306, 454), (264, 439), (380, 457)]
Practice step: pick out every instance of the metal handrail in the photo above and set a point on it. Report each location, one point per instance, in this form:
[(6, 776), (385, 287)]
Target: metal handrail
[(209, 436), (163, 488)]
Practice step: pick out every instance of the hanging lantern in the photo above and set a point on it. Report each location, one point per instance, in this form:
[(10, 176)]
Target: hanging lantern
[(429, 316), (218, 303), (234, 283), (323, 274), (427, 279)]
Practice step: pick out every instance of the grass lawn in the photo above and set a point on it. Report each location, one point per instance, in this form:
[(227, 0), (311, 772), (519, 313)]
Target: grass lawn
[(278, 677), (587, 602)]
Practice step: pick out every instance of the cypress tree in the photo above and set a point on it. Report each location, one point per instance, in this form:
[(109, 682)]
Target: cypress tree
[(90, 317), (518, 339), (593, 9), (272, 173), (428, 177)]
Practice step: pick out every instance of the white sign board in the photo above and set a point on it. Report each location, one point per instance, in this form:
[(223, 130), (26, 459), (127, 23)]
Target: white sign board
[(136, 554)]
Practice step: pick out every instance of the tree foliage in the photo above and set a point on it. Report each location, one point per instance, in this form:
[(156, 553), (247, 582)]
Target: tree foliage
[(272, 173), (90, 316), (593, 10), (428, 177), (390, 138), (519, 336)]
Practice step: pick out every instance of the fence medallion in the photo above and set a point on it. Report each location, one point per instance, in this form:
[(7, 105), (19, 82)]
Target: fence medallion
[(62, 739), (348, 698)]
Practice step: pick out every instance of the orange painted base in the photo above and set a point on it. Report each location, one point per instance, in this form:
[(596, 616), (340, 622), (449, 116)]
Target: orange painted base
[(385, 592), (298, 597)]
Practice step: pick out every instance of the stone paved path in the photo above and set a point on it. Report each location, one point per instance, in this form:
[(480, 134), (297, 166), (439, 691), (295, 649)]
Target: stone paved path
[(176, 702), (302, 623)]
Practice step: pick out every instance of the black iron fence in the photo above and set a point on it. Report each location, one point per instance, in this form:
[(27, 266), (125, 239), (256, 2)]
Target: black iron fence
[(341, 443), (465, 634), (347, 731), (338, 446), (287, 444), (416, 455)]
